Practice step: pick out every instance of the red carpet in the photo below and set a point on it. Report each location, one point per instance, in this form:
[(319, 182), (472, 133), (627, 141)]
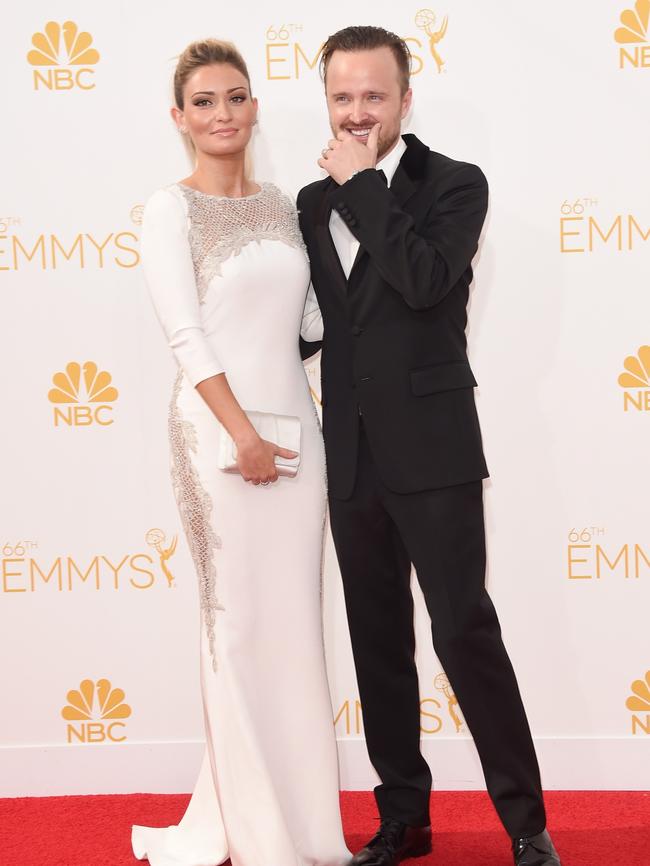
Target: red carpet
[(589, 828)]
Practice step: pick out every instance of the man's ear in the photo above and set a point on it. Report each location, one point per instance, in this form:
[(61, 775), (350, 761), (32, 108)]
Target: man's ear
[(407, 99)]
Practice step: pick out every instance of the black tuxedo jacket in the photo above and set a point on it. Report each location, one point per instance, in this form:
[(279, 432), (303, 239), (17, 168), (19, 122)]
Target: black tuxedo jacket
[(394, 346)]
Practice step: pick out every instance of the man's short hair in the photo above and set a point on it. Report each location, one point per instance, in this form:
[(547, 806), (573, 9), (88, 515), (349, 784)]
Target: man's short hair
[(365, 39)]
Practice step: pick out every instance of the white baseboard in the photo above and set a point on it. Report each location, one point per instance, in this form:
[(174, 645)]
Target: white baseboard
[(567, 764), (171, 767)]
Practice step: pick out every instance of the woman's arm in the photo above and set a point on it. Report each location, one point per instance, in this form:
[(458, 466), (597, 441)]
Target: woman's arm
[(169, 272), (255, 456)]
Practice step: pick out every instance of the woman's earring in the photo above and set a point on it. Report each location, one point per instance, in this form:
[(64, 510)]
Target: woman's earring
[(183, 129)]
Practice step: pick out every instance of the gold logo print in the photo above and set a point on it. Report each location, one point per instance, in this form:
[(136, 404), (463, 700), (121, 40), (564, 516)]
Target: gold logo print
[(638, 704), (48, 50), (635, 24), (156, 539), (443, 685), (425, 19), (27, 568), (81, 702), (97, 385), (98, 710), (638, 370), (639, 701), (137, 214)]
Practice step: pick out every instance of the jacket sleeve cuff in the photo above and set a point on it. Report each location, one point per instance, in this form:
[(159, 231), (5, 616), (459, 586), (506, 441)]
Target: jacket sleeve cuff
[(357, 195)]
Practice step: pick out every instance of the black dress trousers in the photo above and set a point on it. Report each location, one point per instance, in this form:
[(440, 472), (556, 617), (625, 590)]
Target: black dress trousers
[(377, 535)]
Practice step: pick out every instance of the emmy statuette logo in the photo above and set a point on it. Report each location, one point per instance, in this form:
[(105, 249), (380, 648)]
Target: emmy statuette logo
[(632, 37), (443, 685), (95, 713), (431, 709), (76, 396), (137, 214), (63, 57), (156, 538), (638, 704), (425, 19), (636, 381)]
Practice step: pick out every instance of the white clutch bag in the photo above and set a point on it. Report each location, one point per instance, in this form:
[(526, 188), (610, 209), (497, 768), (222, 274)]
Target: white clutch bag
[(282, 430)]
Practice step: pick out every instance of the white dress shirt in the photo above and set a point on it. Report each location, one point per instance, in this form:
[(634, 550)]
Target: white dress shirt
[(347, 246)]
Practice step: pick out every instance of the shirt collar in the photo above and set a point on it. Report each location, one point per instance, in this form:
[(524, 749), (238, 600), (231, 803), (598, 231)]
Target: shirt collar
[(390, 162)]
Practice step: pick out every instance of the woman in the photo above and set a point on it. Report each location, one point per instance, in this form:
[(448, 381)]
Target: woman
[(228, 274)]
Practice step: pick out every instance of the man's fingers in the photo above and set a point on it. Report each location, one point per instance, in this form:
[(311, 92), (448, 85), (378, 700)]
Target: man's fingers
[(373, 138)]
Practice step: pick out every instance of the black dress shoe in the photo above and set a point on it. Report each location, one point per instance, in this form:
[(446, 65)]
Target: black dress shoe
[(535, 851), (393, 843)]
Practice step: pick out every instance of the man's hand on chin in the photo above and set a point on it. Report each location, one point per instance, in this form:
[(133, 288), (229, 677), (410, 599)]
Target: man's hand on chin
[(344, 155)]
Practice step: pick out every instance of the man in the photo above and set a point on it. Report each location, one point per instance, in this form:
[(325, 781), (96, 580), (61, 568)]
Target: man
[(391, 253)]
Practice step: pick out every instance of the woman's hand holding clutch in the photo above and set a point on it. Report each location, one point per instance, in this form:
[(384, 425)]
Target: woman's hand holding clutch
[(256, 459)]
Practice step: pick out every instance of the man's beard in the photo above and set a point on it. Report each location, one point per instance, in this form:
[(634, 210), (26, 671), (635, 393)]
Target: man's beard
[(384, 144)]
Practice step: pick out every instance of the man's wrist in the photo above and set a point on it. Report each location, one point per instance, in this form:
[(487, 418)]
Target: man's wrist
[(358, 171)]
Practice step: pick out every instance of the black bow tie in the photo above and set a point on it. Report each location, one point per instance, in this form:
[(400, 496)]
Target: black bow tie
[(380, 172)]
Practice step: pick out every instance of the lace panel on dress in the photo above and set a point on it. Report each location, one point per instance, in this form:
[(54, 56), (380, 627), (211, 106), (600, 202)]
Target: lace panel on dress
[(195, 506), (221, 227), (218, 228)]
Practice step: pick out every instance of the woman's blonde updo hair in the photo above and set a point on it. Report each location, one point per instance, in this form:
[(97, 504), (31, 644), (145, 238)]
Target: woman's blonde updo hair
[(205, 52)]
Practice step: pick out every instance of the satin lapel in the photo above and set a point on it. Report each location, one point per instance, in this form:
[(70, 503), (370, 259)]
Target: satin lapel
[(402, 187), (361, 254), (329, 256), (411, 171)]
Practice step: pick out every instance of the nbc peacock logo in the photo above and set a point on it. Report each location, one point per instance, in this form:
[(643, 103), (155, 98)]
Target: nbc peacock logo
[(95, 713), (638, 704), (634, 34), (63, 57), (635, 380), (81, 396)]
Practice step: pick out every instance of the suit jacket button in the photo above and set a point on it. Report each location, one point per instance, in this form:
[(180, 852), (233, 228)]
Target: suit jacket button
[(357, 331)]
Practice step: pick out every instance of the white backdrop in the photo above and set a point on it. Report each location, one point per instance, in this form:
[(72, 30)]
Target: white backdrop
[(552, 105)]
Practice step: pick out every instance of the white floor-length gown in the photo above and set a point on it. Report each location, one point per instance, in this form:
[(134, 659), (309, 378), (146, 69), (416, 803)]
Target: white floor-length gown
[(229, 279)]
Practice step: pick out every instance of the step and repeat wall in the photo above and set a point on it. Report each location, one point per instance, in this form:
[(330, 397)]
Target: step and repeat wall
[(99, 620)]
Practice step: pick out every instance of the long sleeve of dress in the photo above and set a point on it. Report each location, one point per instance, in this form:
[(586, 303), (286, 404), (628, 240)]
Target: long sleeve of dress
[(169, 273)]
